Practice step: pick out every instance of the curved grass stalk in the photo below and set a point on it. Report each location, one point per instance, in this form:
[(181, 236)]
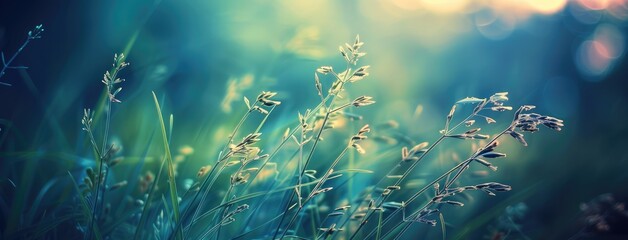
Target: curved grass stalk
[(311, 153), (280, 146), (461, 167), (109, 80), (315, 189), (302, 185), (231, 186), (382, 199), (206, 180), (34, 34), (249, 196)]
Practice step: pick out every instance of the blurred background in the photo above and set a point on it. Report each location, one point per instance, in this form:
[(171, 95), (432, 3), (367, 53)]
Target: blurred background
[(202, 57)]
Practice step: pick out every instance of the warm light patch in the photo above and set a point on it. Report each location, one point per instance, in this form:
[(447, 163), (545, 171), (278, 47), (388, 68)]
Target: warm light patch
[(445, 6), (186, 150), (547, 6)]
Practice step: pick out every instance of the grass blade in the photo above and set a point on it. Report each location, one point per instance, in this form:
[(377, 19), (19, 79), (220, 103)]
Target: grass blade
[(171, 179)]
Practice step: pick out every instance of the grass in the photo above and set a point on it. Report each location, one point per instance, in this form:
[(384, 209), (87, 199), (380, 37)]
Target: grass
[(275, 181), (6, 63)]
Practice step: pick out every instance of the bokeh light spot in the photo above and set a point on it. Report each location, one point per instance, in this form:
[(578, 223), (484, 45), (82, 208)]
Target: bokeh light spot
[(590, 61), (595, 57), (493, 25), (611, 39)]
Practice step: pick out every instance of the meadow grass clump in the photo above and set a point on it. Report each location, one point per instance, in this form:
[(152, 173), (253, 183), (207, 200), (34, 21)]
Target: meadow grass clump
[(288, 182)]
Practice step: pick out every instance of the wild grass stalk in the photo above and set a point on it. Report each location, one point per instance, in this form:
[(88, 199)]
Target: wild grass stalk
[(353, 142), (104, 155), (337, 87), (415, 155), (236, 179), (522, 121), (525, 122), (204, 189), (6, 64), (231, 150)]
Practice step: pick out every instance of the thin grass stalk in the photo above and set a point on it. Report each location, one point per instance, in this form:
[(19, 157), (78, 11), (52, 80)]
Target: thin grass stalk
[(282, 143), (98, 156), (461, 167), (100, 189), (280, 146), (221, 157), (276, 217), (254, 211), (250, 196), (231, 186), (7, 64), (316, 140), (95, 203), (203, 187), (381, 199), (425, 188), (316, 188), (300, 167)]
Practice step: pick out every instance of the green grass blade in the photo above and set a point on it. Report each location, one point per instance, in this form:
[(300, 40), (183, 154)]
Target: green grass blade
[(171, 179)]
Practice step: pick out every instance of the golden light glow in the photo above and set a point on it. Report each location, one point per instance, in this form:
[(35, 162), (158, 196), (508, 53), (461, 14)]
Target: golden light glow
[(547, 6), (445, 6), (186, 150)]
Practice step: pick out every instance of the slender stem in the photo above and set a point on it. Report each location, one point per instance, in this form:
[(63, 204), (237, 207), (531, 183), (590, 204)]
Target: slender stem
[(101, 166), (7, 64), (98, 156), (206, 180), (283, 142), (460, 167), (316, 140), (105, 138), (258, 227), (231, 186), (316, 188), (382, 199), (341, 107), (100, 184)]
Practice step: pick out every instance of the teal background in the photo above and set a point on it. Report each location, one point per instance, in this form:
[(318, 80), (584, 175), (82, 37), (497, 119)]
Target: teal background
[(568, 61)]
